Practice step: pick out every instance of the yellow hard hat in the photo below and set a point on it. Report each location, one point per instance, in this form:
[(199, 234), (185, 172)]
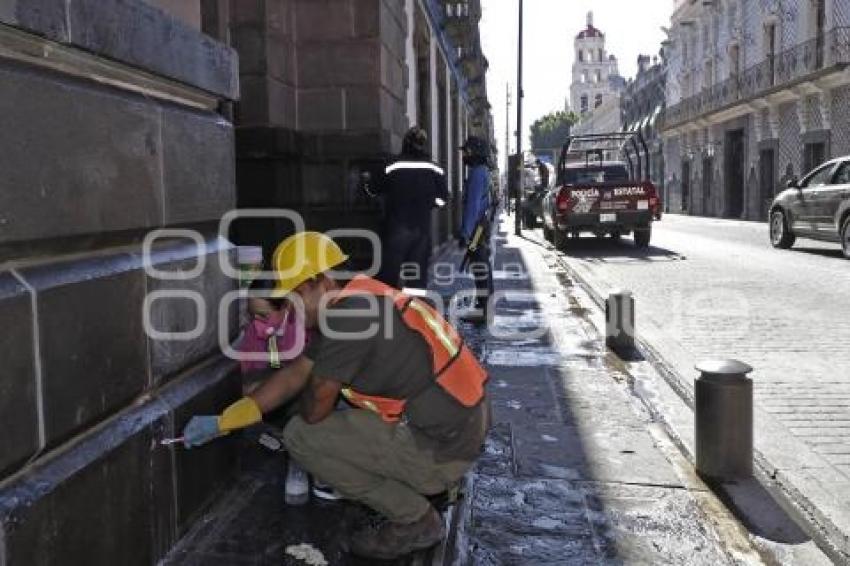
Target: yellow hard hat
[(303, 256)]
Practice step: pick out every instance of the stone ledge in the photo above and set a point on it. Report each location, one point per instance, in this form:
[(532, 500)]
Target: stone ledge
[(132, 32), (18, 402), (114, 491), (177, 314)]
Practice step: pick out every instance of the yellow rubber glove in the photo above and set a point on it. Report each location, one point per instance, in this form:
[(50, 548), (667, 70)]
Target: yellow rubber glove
[(240, 414)]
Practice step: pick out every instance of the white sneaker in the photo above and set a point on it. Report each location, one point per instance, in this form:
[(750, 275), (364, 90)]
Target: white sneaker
[(325, 491)]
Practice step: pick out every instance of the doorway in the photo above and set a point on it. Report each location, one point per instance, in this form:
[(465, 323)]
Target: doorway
[(707, 182), (734, 205), (813, 155), (767, 180), (686, 185)]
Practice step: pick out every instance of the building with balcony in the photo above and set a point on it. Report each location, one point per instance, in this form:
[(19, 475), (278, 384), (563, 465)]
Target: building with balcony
[(595, 75), (757, 92), (642, 105)]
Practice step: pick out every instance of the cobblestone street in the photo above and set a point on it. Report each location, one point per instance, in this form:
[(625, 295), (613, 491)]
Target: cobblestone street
[(720, 290), (715, 288)]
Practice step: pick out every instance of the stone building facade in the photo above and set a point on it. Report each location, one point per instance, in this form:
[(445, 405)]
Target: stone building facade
[(117, 121), (642, 106), (112, 126), (328, 90), (756, 93), (595, 76)]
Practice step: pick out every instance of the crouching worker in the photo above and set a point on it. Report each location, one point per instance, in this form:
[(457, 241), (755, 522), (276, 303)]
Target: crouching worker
[(420, 407)]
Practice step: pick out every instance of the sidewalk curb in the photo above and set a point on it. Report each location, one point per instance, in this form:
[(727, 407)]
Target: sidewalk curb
[(808, 511), (455, 548)]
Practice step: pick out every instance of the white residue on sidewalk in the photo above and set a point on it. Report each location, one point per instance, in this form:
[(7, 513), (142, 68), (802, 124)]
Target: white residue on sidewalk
[(307, 553)]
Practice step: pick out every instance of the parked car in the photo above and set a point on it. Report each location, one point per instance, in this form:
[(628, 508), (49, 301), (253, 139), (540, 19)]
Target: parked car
[(603, 197), (816, 207)]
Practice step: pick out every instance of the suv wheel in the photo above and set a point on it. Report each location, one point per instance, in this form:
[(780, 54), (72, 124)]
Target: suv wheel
[(845, 237), (780, 236), (642, 236), (547, 232)]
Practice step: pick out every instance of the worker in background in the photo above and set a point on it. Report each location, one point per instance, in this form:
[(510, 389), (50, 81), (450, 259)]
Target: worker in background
[(477, 208), (543, 172), (420, 412), (412, 186)]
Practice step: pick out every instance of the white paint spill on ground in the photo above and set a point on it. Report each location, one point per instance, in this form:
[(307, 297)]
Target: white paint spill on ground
[(559, 472), (514, 358), (547, 523), (307, 553), (516, 405), (547, 438), (519, 498)]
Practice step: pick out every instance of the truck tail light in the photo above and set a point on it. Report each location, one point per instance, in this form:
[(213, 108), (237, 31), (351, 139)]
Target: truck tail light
[(562, 201), (654, 201)]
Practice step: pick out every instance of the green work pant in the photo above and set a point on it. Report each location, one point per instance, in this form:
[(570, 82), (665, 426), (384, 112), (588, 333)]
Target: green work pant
[(373, 462)]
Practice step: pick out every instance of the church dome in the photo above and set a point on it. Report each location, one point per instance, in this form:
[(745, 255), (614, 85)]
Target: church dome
[(590, 30)]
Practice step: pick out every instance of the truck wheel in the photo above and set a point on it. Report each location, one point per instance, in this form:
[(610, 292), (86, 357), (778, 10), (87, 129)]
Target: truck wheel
[(642, 236), (560, 239)]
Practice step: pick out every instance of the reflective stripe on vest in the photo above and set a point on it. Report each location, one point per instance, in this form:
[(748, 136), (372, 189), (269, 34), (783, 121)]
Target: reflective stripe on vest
[(389, 409), (274, 355), (414, 165), (435, 327), (455, 368)]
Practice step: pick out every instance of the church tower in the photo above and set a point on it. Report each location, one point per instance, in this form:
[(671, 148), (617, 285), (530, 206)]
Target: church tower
[(595, 73)]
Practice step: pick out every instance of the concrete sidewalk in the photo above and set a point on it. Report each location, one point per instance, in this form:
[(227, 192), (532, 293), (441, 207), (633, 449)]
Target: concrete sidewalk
[(800, 398), (576, 470)]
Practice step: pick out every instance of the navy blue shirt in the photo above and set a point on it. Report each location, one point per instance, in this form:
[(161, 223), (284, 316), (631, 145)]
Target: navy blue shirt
[(476, 198), (412, 188)]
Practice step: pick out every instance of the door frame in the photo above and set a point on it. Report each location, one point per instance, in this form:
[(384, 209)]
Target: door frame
[(730, 156)]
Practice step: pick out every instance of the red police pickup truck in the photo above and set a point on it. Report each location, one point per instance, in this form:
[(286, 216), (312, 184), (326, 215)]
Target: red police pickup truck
[(599, 196)]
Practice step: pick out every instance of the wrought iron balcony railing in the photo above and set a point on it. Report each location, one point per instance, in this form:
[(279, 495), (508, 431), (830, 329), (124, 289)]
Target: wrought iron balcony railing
[(783, 70)]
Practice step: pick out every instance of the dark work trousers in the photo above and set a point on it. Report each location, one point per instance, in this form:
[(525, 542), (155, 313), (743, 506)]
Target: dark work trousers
[(405, 257), (481, 270)]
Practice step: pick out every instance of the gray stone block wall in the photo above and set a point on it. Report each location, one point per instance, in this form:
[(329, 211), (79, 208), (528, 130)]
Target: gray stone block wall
[(263, 35), (89, 169), (117, 496), (329, 77), (18, 385), (90, 340), (134, 33), (82, 160)]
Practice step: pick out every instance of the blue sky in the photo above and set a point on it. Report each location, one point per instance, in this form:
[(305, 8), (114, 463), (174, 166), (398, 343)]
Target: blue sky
[(631, 28)]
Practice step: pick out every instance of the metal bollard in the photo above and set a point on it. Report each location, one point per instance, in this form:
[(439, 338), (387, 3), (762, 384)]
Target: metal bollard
[(620, 323), (724, 420)]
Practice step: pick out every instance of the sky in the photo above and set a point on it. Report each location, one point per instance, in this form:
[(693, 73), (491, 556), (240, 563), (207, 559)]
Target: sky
[(631, 27)]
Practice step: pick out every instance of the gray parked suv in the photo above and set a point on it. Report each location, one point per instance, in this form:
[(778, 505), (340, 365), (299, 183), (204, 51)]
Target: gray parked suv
[(816, 207)]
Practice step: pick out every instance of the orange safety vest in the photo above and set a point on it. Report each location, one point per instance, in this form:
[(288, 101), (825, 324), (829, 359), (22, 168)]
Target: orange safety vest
[(456, 369)]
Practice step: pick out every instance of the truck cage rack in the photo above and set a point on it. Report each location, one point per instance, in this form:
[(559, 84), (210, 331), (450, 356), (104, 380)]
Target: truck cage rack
[(627, 143)]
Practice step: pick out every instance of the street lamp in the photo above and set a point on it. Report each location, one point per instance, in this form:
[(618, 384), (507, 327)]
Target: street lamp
[(520, 160)]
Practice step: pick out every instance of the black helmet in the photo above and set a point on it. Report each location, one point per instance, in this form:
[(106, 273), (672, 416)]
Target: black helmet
[(415, 142), (476, 150)]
